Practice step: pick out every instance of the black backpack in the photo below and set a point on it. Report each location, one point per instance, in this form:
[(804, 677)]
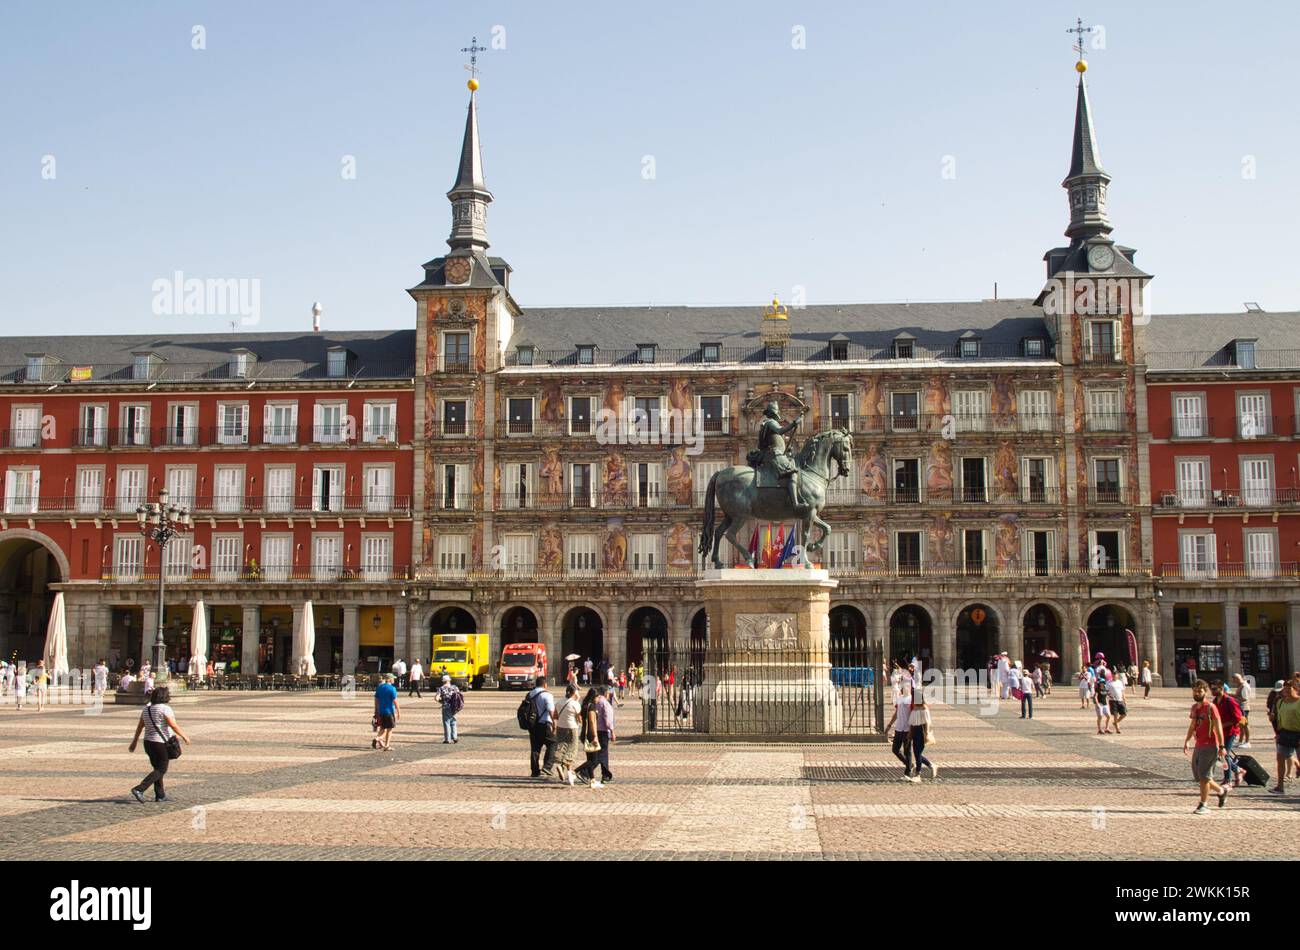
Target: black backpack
[(527, 712)]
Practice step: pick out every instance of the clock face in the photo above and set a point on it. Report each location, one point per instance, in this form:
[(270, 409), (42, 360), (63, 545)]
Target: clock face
[(457, 270), (1100, 257)]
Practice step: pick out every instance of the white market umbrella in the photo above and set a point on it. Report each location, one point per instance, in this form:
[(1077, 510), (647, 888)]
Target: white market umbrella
[(199, 640), (304, 642), (56, 638)]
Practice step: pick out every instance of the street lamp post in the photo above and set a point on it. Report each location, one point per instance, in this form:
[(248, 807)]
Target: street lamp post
[(161, 521)]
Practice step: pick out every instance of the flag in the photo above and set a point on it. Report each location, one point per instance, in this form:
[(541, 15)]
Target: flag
[(769, 555), (1083, 647), (753, 543), (787, 549), (1132, 647)]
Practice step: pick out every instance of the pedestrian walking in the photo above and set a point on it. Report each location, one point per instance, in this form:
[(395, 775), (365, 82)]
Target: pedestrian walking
[(586, 671), (20, 686), (900, 720), (41, 684), (1027, 690), (650, 698), (100, 678), (1085, 689), (1286, 721), (588, 734), (1047, 679), (1115, 693), (604, 732), (158, 723), (1146, 679), (1208, 732), (1101, 703), (568, 725), (1230, 723), (541, 735), (1243, 693), (387, 712), (452, 702), (398, 670), (919, 722), (1037, 678), (413, 679)]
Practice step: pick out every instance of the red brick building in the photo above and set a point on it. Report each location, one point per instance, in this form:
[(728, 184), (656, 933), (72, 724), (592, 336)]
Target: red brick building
[(1223, 392), (292, 451)]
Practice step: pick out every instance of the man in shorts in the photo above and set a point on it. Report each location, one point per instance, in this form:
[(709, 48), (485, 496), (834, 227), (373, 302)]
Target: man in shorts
[(1207, 728), (1118, 708), (386, 712)]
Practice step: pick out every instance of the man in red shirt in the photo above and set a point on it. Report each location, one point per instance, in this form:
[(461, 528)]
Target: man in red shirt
[(1230, 717), (1207, 727)]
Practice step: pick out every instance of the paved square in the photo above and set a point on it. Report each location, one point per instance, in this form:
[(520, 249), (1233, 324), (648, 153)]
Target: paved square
[(291, 775)]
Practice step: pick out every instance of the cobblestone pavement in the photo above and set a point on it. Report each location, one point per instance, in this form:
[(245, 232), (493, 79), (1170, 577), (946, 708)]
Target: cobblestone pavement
[(282, 776)]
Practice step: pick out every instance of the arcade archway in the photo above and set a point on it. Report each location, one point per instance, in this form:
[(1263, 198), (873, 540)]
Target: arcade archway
[(583, 633), (911, 634), (1042, 631), (29, 564), (1106, 626), (644, 624), (449, 620), (848, 635), (518, 625), (977, 637)]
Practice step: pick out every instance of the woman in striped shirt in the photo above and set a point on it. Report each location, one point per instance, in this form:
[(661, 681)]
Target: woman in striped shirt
[(158, 723)]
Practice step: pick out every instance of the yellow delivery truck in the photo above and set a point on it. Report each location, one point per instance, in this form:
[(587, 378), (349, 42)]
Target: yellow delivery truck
[(462, 656)]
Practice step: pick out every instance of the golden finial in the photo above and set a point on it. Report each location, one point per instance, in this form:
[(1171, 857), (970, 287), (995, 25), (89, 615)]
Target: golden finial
[(778, 311), (472, 85)]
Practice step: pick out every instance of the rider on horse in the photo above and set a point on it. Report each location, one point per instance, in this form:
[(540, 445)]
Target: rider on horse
[(773, 451)]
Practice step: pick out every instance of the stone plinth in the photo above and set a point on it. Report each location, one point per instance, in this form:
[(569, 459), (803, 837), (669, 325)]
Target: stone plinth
[(769, 669)]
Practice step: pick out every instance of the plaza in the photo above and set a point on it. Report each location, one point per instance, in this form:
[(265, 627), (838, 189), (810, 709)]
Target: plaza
[(291, 776)]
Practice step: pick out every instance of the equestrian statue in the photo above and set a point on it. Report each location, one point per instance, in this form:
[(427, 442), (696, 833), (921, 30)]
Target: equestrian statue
[(776, 485)]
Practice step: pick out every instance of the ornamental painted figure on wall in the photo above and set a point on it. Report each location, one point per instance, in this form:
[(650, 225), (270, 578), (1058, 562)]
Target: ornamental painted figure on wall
[(550, 548), (875, 473), (678, 476), (614, 553)]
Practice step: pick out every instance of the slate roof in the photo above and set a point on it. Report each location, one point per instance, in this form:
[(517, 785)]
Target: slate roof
[(379, 354), (1183, 341), (680, 331)]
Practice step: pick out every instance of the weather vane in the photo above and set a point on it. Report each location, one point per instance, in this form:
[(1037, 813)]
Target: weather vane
[(473, 49), (1079, 28)]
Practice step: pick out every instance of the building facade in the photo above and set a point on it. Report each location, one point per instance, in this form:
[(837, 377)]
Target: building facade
[(541, 474)]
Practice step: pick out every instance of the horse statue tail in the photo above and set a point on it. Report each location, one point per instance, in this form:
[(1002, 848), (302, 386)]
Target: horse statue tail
[(706, 536)]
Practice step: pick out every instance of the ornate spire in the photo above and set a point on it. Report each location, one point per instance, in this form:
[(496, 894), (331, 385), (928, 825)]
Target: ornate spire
[(1086, 182), (469, 196)]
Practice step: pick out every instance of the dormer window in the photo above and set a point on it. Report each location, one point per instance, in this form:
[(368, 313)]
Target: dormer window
[(142, 365), (336, 362), (241, 364), (711, 352), (645, 353), (1034, 347), (586, 353), (904, 349), (839, 349), (36, 363), (525, 354), (969, 347), (1243, 353), (775, 352)]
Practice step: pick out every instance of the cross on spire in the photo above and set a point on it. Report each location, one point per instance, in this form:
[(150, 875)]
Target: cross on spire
[(473, 49), (1080, 29)]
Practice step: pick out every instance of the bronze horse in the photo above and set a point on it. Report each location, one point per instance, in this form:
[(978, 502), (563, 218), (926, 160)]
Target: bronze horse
[(734, 489)]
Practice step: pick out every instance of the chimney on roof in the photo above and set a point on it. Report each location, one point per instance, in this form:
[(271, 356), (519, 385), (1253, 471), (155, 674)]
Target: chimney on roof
[(315, 317)]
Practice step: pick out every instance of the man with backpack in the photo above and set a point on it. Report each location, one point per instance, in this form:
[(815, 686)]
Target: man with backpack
[(1230, 716), (452, 702), (536, 714)]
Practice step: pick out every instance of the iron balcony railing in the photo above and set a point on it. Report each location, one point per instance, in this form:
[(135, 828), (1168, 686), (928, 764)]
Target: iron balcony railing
[(1265, 570), (250, 574), (451, 429), (1216, 498), (378, 504), (1221, 359), (222, 371), (24, 438), (1106, 496), (948, 423), (819, 352), (1016, 569), (646, 430)]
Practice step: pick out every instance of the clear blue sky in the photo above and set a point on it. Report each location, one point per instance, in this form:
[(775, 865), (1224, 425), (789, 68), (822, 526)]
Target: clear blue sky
[(775, 167)]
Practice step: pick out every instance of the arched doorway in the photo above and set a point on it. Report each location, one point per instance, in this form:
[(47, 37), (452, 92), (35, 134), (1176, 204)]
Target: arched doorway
[(911, 634), (518, 625), (1106, 626), (848, 635), (1042, 631), (977, 637), (644, 623), (583, 633), (28, 566)]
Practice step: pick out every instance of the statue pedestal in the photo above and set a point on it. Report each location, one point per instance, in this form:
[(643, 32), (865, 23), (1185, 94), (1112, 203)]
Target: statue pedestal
[(768, 670)]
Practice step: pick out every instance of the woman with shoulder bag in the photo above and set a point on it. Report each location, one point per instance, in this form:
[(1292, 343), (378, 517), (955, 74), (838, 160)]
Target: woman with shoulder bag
[(158, 723), (590, 741), (567, 725), (919, 722)]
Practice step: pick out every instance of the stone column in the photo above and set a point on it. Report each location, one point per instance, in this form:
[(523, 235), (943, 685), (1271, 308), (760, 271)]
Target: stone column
[(1011, 633), (252, 635), (401, 648), (943, 635), (351, 638), (1292, 636), (1231, 639), (1070, 640), (148, 634), (880, 630), (1168, 676), (1149, 639)]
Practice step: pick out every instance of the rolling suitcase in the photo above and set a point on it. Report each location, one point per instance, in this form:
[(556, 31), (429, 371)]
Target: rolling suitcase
[(1254, 772)]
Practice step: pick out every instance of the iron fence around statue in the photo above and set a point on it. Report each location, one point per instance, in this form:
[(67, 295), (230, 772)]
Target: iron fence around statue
[(771, 690)]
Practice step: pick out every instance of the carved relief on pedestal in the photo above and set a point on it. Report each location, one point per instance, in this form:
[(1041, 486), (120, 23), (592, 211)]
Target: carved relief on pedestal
[(767, 630)]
